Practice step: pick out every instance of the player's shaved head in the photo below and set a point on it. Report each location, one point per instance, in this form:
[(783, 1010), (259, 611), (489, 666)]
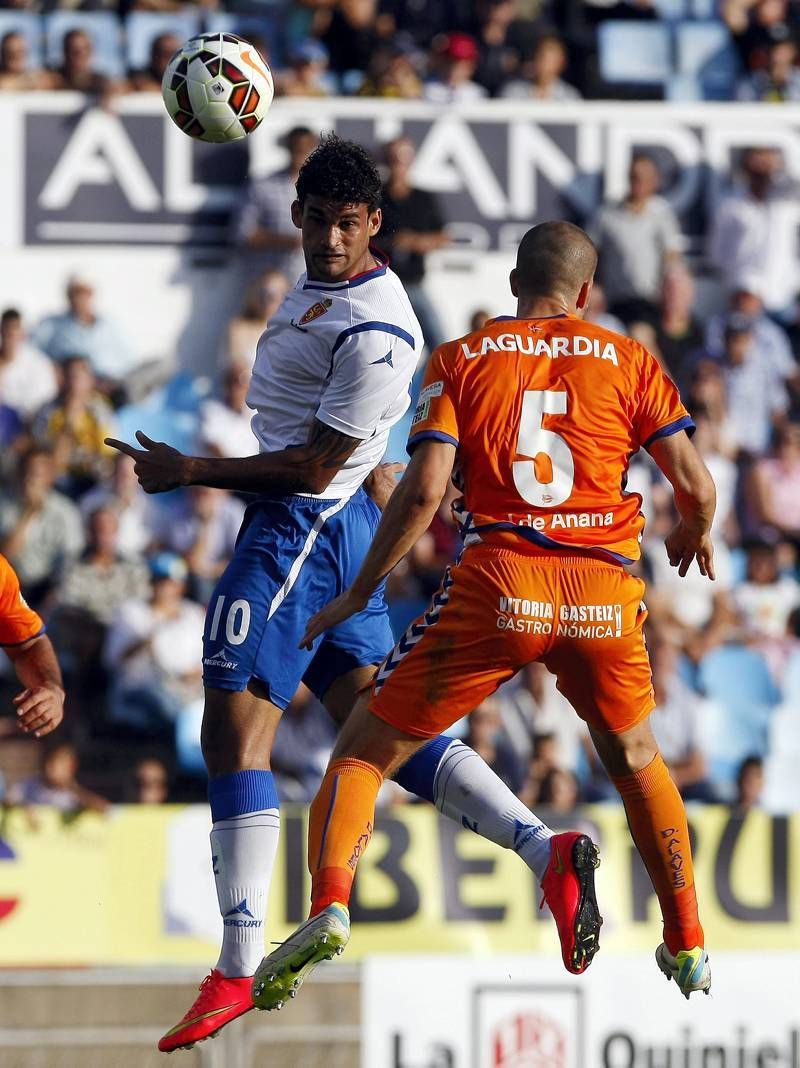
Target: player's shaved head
[(555, 259)]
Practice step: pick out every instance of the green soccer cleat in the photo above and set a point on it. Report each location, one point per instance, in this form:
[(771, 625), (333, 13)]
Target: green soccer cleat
[(280, 975), (690, 969)]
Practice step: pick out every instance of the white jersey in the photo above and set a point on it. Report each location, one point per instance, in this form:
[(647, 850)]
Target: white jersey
[(343, 353)]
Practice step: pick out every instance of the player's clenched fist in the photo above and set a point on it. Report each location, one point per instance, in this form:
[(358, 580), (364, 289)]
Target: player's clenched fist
[(158, 466), (40, 709)]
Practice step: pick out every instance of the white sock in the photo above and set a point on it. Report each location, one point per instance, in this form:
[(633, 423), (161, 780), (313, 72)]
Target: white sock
[(243, 853), (467, 790)]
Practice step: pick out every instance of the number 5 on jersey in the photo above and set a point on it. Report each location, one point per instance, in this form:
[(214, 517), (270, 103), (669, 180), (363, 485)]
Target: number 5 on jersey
[(547, 450)]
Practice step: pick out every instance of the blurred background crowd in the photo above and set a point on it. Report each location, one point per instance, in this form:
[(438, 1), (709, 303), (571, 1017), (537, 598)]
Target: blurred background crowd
[(122, 579), (438, 50)]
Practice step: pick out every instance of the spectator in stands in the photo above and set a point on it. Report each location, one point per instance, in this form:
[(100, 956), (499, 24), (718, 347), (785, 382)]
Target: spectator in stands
[(479, 318), (560, 791), (351, 38), (597, 311), (766, 599), (134, 510), (307, 71), (97, 585), (40, 529), (412, 227), (755, 26), (679, 335), (75, 426), (204, 533), (707, 441), (262, 299), (485, 735), (57, 784), (675, 720), (16, 73), (544, 759), (393, 70), (770, 338), (154, 651), (749, 784), (81, 329), (707, 393), (498, 58), (77, 72), (27, 377), (540, 75), (757, 399), (774, 488), (151, 782), (91, 593), (754, 232), (779, 81), (225, 428), (162, 50), (262, 225), (639, 240), (453, 62)]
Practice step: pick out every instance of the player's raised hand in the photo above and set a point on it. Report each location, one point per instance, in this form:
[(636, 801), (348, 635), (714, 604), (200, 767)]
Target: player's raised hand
[(336, 611), (684, 544), (158, 466), (381, 482)]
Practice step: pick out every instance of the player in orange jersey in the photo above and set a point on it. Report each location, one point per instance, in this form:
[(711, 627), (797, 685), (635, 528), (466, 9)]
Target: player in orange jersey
[(40, 705), (541, 413)]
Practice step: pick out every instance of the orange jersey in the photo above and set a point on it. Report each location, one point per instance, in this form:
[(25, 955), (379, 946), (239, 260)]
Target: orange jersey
[(18, 622), (546, 415)]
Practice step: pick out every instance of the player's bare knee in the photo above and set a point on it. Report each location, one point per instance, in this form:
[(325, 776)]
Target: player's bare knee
[(628, 751)]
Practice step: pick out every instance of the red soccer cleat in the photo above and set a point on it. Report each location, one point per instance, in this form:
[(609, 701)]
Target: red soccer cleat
[(568, 888), (220, 1000)]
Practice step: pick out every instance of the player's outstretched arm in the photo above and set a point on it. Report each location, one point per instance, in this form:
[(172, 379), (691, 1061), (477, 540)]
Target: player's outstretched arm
[(40, 706), (695, 499), (407, 516), (308, 468)]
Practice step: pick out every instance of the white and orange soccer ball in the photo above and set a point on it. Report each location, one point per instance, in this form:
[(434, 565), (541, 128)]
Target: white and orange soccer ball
[(217, 87)]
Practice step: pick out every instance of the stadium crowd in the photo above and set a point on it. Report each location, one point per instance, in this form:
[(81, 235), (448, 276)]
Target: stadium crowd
[(442, 51), (122, 579)]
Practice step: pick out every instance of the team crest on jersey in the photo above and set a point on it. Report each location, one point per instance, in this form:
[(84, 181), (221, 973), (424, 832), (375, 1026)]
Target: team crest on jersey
[(315, 311)]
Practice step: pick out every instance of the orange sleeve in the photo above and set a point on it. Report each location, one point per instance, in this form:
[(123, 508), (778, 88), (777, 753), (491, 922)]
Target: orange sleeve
[(435, 415), (660, 411), (18, 622)]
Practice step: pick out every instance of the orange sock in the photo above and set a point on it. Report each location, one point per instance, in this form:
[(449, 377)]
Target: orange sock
[(342, 815), (657, 820)]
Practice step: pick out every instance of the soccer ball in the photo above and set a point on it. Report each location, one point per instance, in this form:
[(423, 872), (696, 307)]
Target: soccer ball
[(217, 87)]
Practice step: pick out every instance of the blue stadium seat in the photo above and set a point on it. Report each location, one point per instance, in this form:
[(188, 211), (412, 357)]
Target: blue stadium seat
[(102, 26), (735, 719), (791, 682), (635, 52), (672, 10), (705, 51), (264, 26), (142, 27), (30, 26), (170, 413)]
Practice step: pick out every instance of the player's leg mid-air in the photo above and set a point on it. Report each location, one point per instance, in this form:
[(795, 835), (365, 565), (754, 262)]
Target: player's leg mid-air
[(333, 369), (519, 595)]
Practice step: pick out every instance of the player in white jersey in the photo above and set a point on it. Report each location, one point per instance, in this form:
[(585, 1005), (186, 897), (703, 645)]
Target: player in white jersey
[(332, 375)]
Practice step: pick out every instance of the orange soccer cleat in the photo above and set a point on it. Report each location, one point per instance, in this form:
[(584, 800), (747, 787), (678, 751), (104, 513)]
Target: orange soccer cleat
[(568, 888), (220, 1000)]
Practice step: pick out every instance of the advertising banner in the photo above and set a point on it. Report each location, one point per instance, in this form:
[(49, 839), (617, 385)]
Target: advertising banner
[(136, 886), (526, 1012), (85, 174)]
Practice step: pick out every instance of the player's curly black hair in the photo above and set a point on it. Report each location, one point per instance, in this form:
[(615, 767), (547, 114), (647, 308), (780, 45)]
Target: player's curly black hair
[(342, 172)]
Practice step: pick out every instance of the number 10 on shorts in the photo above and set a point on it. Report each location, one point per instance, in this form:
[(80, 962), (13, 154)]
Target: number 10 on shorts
[(237, 621)]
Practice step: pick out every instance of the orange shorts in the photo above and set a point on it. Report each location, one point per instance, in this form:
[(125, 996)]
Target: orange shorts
[(497, 611)]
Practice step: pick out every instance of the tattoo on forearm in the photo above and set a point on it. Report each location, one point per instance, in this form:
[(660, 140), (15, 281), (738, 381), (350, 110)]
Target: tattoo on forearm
[(329, 448)]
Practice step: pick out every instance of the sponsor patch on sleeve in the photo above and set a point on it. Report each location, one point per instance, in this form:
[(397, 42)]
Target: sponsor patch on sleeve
[(435, 389), (421, 411)]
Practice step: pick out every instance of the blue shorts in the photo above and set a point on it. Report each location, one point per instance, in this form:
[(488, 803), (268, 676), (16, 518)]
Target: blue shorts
[(293, 555)]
